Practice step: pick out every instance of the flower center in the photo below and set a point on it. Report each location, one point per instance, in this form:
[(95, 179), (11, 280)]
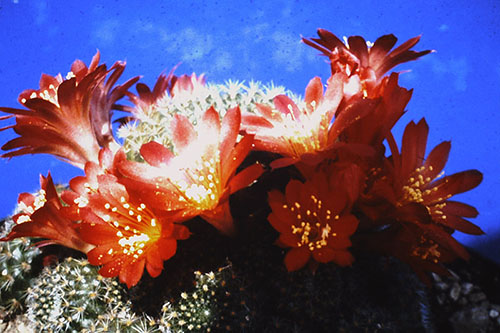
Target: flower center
[(199, 185), (417, 186), (427, 250), (135, 226), (312, 227)]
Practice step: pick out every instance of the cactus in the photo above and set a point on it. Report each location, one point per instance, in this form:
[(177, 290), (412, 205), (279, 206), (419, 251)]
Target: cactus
[(155, 125), (71, 296), (16, 261)]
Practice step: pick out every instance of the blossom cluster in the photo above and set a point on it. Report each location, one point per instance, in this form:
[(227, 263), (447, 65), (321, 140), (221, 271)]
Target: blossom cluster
[(128, 211)]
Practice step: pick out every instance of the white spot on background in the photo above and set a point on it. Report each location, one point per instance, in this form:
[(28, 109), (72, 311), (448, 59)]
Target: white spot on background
[(288, 51), (444, 27), (223, 61), (457, 68), (40, 12), (193, 44), (106, 31)]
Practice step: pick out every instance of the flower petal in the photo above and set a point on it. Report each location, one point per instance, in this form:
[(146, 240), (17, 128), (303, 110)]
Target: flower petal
[(183, 131), (131, 272), (245, 177), (314, 94), (229, 132), (155, 153), (324, 255), (287, 107), (297, 258)]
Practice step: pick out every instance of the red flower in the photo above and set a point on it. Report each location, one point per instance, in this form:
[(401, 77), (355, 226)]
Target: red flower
[(363, 65), (43, 216), (416, 181), (201, 176), (307, 134), (128, 233), (423, 247), (313, 219), (69, 118)]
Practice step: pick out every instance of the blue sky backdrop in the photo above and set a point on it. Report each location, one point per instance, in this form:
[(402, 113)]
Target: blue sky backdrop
[(457, 88)]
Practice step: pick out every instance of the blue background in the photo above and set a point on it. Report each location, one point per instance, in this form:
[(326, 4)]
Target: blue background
[(457, 88)]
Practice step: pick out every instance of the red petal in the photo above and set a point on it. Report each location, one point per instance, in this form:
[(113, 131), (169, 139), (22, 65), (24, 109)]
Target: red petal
[(153, 270), (132, 272), (283, 162), (251, 123), (180, 232), (413, 147), (211, 121), (348, 116), (220, 218), (401, 54), (153, 257), (27, 198), (112, 268), (346, 225), (340, 242), (282, 226), (357, 45), (380, 48), (437, 158), (268, 113), (183, 131), (229, 132), (245, 177), (292, 191), (297, 258), (101, 255), (98, 234), (343, 258), (238, 154), (457, 183), (155, 153), (460, 224), (286, 106), (287, 239), (459, 209), (314, 93), (167, 248), (324, 255)]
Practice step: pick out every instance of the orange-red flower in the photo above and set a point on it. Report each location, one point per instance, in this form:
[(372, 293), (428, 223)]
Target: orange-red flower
[(314, 220), (416, 180), (423, 247), (363, 64), (305, 134), (43, 216), (200, 176), (70, 117), (129, 234)]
